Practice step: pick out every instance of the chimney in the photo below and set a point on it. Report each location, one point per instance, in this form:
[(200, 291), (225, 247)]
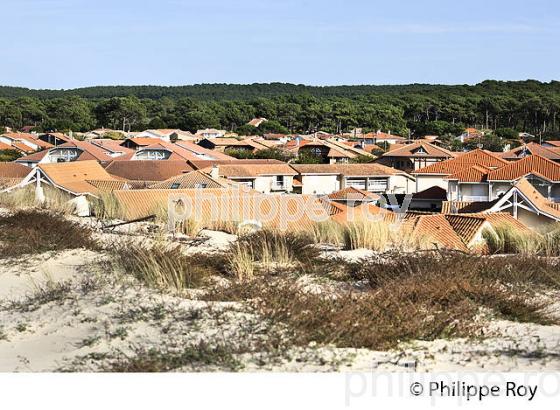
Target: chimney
[(215, 172)]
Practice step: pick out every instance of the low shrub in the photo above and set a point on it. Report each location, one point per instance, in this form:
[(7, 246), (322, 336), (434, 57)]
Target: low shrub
[(35, 231)]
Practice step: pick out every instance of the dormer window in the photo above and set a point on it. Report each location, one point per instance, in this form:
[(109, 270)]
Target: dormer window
[(420, 150)]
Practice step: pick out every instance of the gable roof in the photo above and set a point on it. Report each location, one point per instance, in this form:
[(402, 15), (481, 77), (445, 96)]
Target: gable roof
[(454, 165), (73, 176), (253, 171), (434, 192), (461, 207), (353, 194), (531, 149), (193, 179), (368, 169), (147, 170), (412, 151), (467, 226), (532, 164), (435, 228), (474, 173), (13, 170)]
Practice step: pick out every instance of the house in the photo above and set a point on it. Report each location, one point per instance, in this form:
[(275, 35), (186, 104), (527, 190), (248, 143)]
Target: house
[(552, 153), (430, 199), (73, 178), (527, 205), (73, 150), (168, 135), (24, 143), (324, 179), (210, 133), (153, 171), (435, 174), (101, 132), (412, 157), (255, 122), (224, 144), (327, 152), (140, 142), (381, 138), (431, 231), (470, 133), (54, 138), (266, 178), (180, 150)]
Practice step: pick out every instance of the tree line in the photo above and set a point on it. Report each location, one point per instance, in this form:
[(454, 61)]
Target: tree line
[(416, 109)]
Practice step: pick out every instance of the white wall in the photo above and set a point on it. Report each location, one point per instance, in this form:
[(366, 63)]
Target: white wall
[(319, 184), (427, 181)]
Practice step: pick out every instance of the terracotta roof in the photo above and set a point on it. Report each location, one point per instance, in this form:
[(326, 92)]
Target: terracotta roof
[(346, 169), (35, 157), (73, 176), (200, 164), (474, 173), (468, 225), (554, 143), (4, 146), (431, 193), (148, 170), (20, 146), (531, 149), (222, 141), (142, 141), (535, 197), (533, 164), (452, 207), (13, 170), (353, 194), (194, 179), (383, 136), (227, 205), (363, 211), (411, 150), (460, 162), (253, 171), (433, 228)]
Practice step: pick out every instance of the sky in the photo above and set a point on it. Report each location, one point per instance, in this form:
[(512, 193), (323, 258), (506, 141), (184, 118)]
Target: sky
[(76, 43)]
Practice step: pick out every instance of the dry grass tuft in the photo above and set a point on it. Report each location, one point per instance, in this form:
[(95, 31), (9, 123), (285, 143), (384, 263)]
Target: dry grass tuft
[(34, 231), (166, 268)]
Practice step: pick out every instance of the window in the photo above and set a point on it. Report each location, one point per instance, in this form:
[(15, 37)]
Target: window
[(201, 185), (359, 183), (175, 185)]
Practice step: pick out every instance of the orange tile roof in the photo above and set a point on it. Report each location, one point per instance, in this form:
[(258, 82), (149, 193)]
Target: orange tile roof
[(554, 143), (20, 146), (191, 180), (410, 150), (431, 193), (253, 171), (474, 173), (531, 149), (73, 176), (452, 207), (435, 229), (538, 201), (353, 194), (532, 164), (369, 169), (13, 170), (454, 165), (225, 205), (467, 226), (148, 170)]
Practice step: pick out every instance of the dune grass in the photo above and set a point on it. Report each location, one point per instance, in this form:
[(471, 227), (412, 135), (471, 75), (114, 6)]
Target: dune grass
[(35, 231), (505, 239)]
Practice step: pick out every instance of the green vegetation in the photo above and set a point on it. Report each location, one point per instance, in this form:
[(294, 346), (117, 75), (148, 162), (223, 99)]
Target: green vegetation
[(509, 107)]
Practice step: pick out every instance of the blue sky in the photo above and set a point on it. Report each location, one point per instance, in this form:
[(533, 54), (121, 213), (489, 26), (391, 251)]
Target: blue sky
[(76, 43)]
